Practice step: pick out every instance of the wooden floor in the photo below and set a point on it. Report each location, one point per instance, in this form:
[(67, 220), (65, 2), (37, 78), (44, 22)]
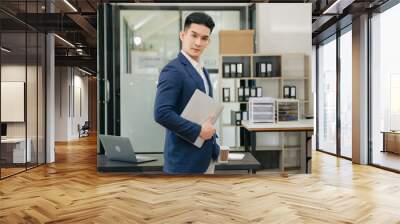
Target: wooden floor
[(386, 159), (9, 171), (5, 172), (71, 191)]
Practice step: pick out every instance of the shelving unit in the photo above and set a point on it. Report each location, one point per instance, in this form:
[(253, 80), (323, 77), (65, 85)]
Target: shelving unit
[(287, 69)]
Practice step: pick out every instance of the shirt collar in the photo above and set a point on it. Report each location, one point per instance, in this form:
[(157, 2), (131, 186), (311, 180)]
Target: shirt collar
[(193, 62)]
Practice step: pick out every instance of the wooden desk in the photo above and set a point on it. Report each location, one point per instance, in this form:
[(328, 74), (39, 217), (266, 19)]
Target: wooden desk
[(305, 126), (103, 165), (283, 126)]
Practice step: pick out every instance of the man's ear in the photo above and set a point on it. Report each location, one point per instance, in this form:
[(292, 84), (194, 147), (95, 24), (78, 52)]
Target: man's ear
[(181, 35)]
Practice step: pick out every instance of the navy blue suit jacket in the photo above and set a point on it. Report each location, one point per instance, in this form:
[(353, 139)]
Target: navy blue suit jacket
[(177, 82)]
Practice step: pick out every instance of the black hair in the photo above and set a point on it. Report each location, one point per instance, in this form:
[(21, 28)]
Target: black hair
[(199, 18)]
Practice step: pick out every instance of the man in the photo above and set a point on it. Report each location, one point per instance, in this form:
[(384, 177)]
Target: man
[(177, 82)]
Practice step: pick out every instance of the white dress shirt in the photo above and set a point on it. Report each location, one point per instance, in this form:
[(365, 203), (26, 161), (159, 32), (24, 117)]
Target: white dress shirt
[(199, 68)]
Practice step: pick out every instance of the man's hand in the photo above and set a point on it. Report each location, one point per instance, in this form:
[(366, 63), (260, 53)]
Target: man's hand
[(207, 129)]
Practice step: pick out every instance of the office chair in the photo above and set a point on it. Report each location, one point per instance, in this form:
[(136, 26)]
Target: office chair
[(84, 130)]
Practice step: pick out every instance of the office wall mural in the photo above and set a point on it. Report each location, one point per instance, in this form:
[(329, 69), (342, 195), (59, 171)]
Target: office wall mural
[(149, 40)]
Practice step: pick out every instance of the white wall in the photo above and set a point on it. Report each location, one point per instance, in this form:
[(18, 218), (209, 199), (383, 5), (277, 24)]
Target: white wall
[(283, 28), (17, 73), (70, 83), (61, 103), (13, 73)]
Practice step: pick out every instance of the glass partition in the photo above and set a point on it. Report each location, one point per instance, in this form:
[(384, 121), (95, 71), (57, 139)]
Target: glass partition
[(346, 94), (327, 96), (385, 89), (14, 152), (31, 99), (22, 76), (150, 41)]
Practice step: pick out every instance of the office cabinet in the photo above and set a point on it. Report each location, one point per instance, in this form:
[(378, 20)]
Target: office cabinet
[(264, 76)]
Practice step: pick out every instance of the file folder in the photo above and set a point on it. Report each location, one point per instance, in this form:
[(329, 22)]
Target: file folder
[(259, 91), (286, 91), (227, 70), (263, 69), (293, 92), (233, 70), (245, 116), (226, 94), (253, 92), (239, 70), (240, 94), (236, 117), (246, 93), (269, 70)]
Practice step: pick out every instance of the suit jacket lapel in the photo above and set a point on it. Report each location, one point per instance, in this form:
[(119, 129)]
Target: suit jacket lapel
[(192, 71), (210, 88)]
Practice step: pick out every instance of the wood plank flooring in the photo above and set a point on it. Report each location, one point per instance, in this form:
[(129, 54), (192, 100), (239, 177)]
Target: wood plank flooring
[(71, 191), (387, 159), (10, 171)]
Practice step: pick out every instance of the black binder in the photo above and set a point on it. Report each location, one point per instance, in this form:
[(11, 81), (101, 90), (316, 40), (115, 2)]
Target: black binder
[(240, 94), (226, 70), (226, 94)]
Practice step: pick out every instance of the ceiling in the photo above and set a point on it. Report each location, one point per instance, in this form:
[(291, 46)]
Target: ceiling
[(76, 21)]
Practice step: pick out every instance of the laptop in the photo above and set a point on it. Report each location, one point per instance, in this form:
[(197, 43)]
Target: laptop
[(120, 149), (199, 108)]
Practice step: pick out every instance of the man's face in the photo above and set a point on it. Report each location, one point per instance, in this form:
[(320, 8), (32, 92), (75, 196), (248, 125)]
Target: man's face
[(195, 39)]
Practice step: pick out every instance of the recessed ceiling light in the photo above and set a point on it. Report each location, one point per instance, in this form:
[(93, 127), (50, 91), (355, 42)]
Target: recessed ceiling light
[(338, 6), (64, 40), (70, 5), (137, 40), (84, 71), (5, 50)]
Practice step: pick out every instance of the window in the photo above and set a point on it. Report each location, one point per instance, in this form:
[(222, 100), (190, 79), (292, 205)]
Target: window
[(327, 96), (385, 84), (346, 94)]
